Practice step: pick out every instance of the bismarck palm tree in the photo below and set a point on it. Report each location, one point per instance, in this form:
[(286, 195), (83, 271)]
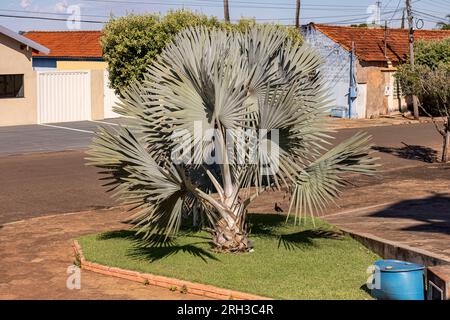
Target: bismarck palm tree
[(238, 86)]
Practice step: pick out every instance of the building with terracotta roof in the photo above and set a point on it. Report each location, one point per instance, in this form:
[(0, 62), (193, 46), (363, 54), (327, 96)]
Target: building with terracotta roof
[(53, 76), (360, 63), (17, 78), (69, 50)]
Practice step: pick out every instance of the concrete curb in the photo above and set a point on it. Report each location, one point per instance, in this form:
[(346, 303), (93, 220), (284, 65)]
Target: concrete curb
[(392, 250), (161, 281), (371, 123)]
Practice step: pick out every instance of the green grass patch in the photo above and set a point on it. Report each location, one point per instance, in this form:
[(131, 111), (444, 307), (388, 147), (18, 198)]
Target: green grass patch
[(289, 262)]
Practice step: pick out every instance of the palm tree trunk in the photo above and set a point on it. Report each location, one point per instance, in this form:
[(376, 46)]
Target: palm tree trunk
[(226, 11), (230, 235)]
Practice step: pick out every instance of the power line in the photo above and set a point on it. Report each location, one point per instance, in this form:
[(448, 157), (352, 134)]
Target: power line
[(47, 18), (100, 16), (256, 5), (317, 17), (436, 4), (440, 19), (395, 11), (51, 13)]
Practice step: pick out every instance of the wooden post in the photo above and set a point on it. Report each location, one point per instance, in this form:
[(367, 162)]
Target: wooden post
[(297, 14), (446, 136), (226, 11)]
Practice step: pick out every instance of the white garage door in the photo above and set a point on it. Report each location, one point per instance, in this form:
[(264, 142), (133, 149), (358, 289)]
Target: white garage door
[(110, 99), (64, 96)]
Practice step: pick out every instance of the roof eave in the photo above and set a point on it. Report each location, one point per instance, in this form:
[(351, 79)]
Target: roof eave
[(24, 40)]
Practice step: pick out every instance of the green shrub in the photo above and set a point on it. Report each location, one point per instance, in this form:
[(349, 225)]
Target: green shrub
[(432, 53), (429, 56), (131, 43)]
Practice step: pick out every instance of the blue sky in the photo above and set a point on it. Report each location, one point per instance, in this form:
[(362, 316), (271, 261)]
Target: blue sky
[(341, 12)]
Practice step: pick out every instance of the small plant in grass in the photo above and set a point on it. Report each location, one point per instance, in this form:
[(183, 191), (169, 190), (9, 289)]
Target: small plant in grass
[(77, 260), (184, 289), (220, 118)]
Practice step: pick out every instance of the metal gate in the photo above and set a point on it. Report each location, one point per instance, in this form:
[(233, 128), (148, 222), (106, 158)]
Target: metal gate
[(63, 96), (109, 98)]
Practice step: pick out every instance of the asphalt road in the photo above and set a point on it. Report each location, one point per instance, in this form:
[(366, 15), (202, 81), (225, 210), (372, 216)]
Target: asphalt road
[(50, 137), (43, 169)]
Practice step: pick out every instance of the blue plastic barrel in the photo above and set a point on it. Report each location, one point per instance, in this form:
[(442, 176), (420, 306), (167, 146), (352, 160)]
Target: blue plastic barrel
[(398, 280)]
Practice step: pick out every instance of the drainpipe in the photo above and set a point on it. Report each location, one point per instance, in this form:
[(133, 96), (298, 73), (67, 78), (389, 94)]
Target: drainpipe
[(352, 90)]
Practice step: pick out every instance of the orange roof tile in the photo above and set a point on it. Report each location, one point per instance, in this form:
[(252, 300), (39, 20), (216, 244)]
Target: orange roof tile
[(369, 42), (74, 44)]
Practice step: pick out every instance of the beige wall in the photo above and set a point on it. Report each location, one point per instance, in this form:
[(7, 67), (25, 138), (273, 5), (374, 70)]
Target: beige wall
[(16, 59), (97, 68), (370, 73), (377, 75), (97, 96), (81, 65)]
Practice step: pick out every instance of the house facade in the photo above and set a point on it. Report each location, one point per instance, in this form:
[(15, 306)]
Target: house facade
[(70, 50), (17, 78), (64, 79), (359, 66)]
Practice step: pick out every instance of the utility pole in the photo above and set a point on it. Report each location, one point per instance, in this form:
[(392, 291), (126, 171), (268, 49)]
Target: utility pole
[(411, 52), (378, 18), (352, 90), (226, 11), (403, 20), (297, 14), (385, 39)]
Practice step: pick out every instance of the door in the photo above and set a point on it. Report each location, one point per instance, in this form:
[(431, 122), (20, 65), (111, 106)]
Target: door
[(361, 101), (63, 96)]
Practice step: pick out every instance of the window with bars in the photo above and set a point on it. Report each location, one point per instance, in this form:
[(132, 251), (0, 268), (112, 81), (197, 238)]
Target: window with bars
[(11, 86), (397, 90)]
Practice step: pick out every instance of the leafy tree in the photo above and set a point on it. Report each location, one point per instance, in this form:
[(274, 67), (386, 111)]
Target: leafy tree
[(433, 84), (361, 25), (131, 43), (444, 25), (206, 97), (429, 54), (432, 53), (429, 80)]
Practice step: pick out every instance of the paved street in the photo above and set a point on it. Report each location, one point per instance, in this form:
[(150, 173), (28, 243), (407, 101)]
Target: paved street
[(44, 172), (50, 137), (43, 176), (36, 253)]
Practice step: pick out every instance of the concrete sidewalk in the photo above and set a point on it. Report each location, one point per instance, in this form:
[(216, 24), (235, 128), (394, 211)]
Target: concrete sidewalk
[(392, 120), (36, 253), (409, 206)]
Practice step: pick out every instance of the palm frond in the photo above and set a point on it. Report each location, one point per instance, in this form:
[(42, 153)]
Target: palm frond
[(321, 181)]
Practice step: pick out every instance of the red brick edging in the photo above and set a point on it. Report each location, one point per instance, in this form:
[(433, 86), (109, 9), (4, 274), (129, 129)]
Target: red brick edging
[(161, 281)]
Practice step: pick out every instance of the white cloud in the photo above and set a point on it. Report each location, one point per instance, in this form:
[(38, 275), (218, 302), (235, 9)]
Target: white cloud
[(61, 6), (25, 4)]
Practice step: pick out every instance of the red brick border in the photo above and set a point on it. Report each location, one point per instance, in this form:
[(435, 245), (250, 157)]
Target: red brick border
[(161, 281)]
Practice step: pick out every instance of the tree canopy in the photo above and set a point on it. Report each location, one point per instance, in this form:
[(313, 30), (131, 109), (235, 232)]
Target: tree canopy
[(132, 42)]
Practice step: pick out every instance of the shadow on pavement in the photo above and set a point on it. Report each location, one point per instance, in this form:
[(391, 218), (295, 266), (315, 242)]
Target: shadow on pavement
[(433, 212), (412, 152)]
